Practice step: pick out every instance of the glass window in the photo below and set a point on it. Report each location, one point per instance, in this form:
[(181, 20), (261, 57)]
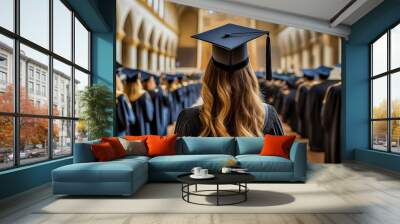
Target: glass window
[(62, 137), (35, 21), (6, 71), (379, 98), (34, 142), (385, 94), (81, 45), (395, 138), (379, 133), (395, 47), (81, 131), (62, 29), (62, 71), (7, 14), (6, 142), (81, 82), (40, 61), (379, 56)]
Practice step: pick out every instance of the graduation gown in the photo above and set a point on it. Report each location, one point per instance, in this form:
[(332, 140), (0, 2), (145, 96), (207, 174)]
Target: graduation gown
[(301, 101), (315, 99), (125, 115), (143, 109), (158, 125), (330, 117), (288, 112), (189, 123)]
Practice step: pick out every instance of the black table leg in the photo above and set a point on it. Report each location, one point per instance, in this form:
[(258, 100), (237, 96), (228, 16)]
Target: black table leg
[(217, 194), (196, 187)]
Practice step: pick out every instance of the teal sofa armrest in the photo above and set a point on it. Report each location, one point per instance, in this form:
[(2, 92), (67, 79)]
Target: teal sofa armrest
[(298, 155), (83, 152)]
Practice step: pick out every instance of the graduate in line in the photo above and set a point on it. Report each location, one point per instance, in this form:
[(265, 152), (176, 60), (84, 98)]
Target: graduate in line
[(141, 102), (232, 105)]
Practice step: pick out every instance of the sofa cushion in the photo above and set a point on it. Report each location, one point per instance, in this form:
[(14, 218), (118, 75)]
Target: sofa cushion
[(103, 152), (112, 171), (206, 145), (249, 145), (277, 145), (185, 163), (161, 145), (83, 152), (257, 163)]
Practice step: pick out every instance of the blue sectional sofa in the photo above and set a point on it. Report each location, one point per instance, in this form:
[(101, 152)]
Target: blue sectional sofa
[(125, 176)]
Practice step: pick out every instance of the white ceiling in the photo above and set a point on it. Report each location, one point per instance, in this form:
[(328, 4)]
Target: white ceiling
[(314, 15)]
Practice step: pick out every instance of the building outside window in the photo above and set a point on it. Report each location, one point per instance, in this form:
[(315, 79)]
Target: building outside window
[(57, 127), (385, 92)]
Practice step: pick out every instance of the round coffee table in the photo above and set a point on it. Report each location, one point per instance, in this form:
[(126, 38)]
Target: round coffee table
[(238, 179)]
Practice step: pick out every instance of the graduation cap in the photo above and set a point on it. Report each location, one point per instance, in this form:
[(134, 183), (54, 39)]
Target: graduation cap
[(170, 78), (324, 71), (131, 74), (229, 43), (311, 73)]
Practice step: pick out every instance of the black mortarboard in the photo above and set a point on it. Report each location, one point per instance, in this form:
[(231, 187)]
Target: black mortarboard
[(131, 74), (309, 72), (324, 71), (229, 50)]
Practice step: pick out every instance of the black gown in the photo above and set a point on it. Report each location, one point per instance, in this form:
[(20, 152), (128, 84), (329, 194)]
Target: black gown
[(330, 117), (125, 116), (315, 99), (301, 101), (288, 112), (143, 109), (158, 125), (189, 123)]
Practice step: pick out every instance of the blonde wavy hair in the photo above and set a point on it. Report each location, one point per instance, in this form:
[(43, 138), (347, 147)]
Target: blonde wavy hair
[(232, 103), (134, 90)]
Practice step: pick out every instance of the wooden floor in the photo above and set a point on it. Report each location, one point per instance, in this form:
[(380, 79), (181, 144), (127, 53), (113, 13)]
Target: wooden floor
[(379, 190)]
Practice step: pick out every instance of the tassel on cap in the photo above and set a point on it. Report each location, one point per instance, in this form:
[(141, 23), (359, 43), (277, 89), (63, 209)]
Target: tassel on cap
[(268, 63)]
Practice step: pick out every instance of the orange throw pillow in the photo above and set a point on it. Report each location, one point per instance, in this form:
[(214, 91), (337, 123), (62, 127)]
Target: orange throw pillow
[(275, 145), (103, 152), (116, 145), (161, 145), (136, 138)]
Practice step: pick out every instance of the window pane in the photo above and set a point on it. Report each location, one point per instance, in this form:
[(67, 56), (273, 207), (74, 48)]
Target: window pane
[(62, 89), (6, 74), (6, 142), (62, 29), (35, 21), (34, 72), (81, 131), (395, 94), (395, 47), (379, 55), (62, 138), (379, 135), (7, 14), (395, 130), (33, 139), (81, 45), (81, 82), (379, 97)]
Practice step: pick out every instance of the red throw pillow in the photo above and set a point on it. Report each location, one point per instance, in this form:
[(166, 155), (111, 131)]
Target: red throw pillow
[(116, 145), (136, 138), (103, 152), (275, 145), (161, 145)]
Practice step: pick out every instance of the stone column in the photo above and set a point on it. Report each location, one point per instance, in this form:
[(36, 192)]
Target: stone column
[(144, 51), (316, 52), (305, 55), (161, 61), (119, 38), (167, 63), (154, 60), (327, 50), (130, 53)]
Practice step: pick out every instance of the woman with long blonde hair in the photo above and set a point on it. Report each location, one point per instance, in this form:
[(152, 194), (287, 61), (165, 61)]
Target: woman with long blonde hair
[(232, 105)]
